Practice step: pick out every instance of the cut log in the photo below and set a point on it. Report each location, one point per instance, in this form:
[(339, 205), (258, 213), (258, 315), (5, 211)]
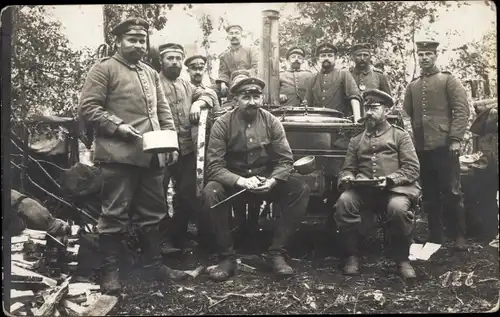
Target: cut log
[(101, 306), (73, 308), (39, 241), (19, 259), (16, 270), (54, 298), (27, 283), (34, 234), (76, 289), (78, 299), (15, 307), (19, 239), (22, 296)]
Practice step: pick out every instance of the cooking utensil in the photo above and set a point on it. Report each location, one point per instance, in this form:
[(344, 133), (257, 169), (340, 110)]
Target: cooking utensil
[(160, 141), (303, 166)]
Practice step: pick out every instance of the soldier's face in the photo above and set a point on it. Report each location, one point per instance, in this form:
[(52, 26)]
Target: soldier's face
[(426, 59), (234, 36), (326, 59), (362, 58), (295, 60), (196, 72), (132, 47), (172, 64), (375, 114), (250, 103)]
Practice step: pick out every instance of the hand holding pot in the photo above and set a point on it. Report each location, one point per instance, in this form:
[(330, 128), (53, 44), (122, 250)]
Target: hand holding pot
[(128, 132)]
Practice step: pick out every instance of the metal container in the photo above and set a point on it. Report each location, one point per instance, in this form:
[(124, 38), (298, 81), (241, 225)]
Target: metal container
[(160, 141)]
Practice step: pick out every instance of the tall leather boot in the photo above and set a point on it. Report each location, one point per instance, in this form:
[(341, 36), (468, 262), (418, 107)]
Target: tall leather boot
[(110, 246), (435, 222), (350, 250), (401, 251), (150, 243)]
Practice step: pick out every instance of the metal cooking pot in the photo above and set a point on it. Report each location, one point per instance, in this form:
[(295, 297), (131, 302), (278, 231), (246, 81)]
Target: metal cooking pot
[(160, 141), (305, 165)]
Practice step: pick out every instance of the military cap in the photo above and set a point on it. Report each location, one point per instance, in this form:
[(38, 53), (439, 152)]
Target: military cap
[(295, 50), (132, 26), (427, 46), (234, 26), (243, 84), (239, 74), (377, 97), (326, 48), (195, 59), (171, 47), (361, 47)]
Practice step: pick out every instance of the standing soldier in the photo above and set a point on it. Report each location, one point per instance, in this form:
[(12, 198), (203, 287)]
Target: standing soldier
[(236, 57), (331, 87), (294, 81), (123, 98), (365, 75), (437, 105), (185, 100)]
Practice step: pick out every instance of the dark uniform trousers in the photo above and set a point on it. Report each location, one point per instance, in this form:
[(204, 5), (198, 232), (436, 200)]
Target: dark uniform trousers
[(131, 192), (185, 203), (440, 177), (292, 195)]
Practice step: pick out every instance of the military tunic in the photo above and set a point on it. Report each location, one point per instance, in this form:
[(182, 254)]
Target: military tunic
[(390, 153), (293, 84), (373, 78), (235, 59), (333, 90)]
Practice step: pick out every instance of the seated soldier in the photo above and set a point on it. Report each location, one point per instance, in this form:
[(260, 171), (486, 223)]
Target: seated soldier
[(248, 150), (386, 153)]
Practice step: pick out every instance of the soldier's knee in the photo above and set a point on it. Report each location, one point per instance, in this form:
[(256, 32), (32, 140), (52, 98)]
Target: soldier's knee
[(213, 193), (347, 199)]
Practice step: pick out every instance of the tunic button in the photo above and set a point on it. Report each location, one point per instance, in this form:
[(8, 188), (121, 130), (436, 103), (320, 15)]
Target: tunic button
[(249, 125), (249, 171), (323, 98), (324, 82), (324, 90), (373, 158), (374, 170), (250, 139), (374, 164)]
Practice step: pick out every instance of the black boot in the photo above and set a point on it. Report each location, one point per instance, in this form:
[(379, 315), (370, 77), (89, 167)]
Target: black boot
[(350, 249), (401, 251), (225, 269), (278, 263), (150, 243), (110, 246)]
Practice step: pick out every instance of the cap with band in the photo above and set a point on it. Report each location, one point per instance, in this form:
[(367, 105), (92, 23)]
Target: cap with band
[(131, 26), (234, 26), (243, 84), (195, 60), (427, 46), (171, 47), (377, 97), (326, 48), (361, 47), (295, 50)]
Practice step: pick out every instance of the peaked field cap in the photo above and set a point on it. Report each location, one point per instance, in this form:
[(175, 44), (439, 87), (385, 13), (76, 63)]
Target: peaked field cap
[(326, 48), (247, 85), (171, 47), (375, 96), (239, 74), (234, 26), (361, 47), (295, 50), (195, 59), (427, 45), (132, 26)]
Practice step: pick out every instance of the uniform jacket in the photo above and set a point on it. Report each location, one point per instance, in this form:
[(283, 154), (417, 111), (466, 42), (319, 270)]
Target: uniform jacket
[(293, 84), (333, 90), (238, 148), (240, 58), (180, 95), (388, 153), (117, 92), (437, 105), (373, 78)]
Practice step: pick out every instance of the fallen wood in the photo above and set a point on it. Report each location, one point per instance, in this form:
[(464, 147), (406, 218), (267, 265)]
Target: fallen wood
[(15, 307), (39, 241), (17, 247), (101, 306), (22, 296), (76, 289), (16, 270), (19, 259), (75, 309), (34, 234), (78, 299), (53, 299), (19, 239)]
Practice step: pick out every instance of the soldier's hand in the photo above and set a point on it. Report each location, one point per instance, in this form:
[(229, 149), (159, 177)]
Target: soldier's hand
[(382, 182), (128, 132), (172, 157), (283, 98), (455, 148), (265, 186), (194, 115), (223, 88), (345, 181), (249, 183)]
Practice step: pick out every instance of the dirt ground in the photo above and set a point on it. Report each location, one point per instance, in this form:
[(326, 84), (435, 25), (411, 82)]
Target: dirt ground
[(319, 286)]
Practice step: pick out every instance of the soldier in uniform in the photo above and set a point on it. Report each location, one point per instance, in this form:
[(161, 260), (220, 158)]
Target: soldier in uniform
[(123, 98), (294, 81), (186, 101), (386, 153), (331, 87), (437, 105), (236, 57), (248, 149), (365, 75)]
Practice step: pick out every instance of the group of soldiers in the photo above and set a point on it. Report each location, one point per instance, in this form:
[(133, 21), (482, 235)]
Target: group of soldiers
[(248, 149)]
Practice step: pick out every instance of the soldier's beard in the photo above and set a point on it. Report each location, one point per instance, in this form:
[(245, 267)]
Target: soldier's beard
[(196, 79), (250, 112), (172, 72), (295, 65), (326, 65)]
